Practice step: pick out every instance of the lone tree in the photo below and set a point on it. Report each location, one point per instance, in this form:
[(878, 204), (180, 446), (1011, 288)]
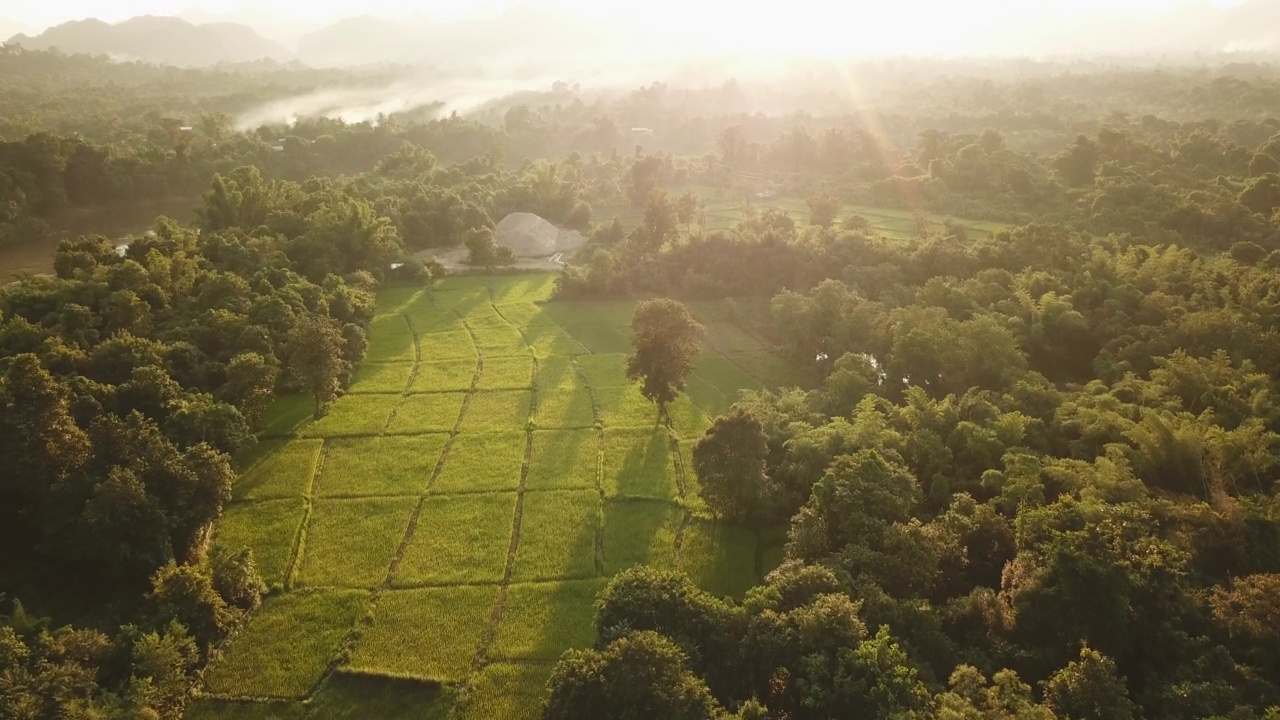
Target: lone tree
[(313, 357), (729, 461), (664, 341), (823, 208)]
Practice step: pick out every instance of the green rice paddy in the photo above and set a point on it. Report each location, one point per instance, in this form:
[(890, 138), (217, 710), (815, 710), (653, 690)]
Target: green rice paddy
[(436, 541)]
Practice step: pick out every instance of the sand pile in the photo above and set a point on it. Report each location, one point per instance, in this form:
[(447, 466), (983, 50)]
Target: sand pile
[(530, 236)]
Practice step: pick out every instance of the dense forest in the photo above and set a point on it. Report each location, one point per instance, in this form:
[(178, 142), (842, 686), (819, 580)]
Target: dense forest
[(1032, 474)]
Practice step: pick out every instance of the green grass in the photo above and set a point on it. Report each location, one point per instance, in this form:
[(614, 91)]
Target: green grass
[(687, 419), (448, 345), (390, 340), (354, 415), (425, 318), (498, 410), (445, 375), (639, 532), (346, 696), (506, 691), (459, 539), (550, 340), (601, 327), (524, 313), (564, 460), (558, 536), (565, 408), (288, 415), (522, 288), (725, 376), (771, 370), (482, 462), (558, 373), (625, 407), (284, 469), (542, 620), (638, 463), (507, 373), (709, 398), (350, 543), (268, 527), (428, 633), (381, 377), (390, 465), (285, 647), (396, 298), (497, 338), (210, 709), (427, 412), (603, 371), (719, 558)]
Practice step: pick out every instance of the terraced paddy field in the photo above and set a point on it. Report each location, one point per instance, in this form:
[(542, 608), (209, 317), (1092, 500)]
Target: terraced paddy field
[(437, 540)]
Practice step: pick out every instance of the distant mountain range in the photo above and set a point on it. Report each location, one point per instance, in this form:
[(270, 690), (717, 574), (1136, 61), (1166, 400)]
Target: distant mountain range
[(167, 40), (524, 41)]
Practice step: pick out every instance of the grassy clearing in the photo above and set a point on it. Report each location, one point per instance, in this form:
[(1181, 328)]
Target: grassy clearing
[(397, 298), (771, 370), (507, 373), (482, 462), (283, 469), (724, 375), (427, 412), (381, 377), (447, 345), (498, 410), (426, 318), (550, 340), (354, 415), (379, 466), (522, 288), (603, 371), (285, 647), (687, 419), (350, 543), (558, 536), (459, 539), (504, 691), (497, 338), (563, 408), (428, 633), (709, 398), (601, 327), (268, 527), (210, 709), (526, 314), (564, 460), (625, 407), (558, 373), (721, 559), (287, 415), (542, 620), (638, 463), (639, 532), (352, 695), (390, 340), (444, 375)]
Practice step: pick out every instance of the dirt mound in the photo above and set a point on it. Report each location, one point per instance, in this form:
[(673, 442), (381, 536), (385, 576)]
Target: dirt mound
[(531, 236)]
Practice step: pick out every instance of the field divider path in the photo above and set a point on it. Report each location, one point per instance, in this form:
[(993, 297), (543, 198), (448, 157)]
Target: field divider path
[(598, 413), (413, 374), (308, 502), (481, 658)]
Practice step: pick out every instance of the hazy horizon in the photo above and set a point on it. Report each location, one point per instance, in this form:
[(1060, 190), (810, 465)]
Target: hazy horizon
[(809, 28)]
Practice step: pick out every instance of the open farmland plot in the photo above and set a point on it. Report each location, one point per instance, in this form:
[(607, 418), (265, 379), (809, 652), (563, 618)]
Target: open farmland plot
[(392, 465), (350, 543), (268, 527), (487, 472), (287, 644), (428, 633)]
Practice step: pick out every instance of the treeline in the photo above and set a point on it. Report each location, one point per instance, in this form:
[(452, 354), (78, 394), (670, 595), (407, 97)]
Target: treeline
[(127, 383)]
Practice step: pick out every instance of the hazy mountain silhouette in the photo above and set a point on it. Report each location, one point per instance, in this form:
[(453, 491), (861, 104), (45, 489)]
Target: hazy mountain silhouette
[(9, 28), (521, 37), (167, 40), (280, 27)]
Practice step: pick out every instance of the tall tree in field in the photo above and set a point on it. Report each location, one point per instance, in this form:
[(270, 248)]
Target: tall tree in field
[(313, 356), (664, 342), (823, 209), (730, 464)]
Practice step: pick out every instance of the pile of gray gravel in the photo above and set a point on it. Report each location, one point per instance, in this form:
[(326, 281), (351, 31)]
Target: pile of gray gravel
[(530, 236)]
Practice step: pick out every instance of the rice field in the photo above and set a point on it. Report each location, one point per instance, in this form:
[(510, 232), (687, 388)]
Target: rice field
[(438, 538)]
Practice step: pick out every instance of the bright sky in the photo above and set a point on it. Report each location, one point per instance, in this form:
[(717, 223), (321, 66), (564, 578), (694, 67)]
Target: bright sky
[(817, 26)]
